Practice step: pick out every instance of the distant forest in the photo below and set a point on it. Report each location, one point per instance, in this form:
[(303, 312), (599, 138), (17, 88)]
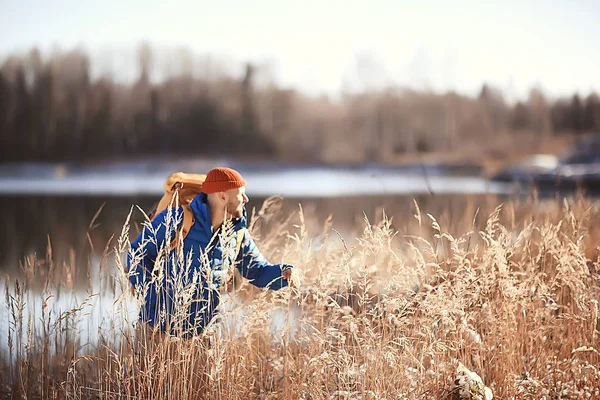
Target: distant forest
[(52, 110)]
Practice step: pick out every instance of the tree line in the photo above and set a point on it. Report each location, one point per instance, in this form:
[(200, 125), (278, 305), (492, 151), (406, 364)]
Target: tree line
[(52, 110)]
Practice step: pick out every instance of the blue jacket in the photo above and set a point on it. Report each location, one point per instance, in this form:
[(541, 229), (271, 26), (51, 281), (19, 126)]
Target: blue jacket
[(189, 314)]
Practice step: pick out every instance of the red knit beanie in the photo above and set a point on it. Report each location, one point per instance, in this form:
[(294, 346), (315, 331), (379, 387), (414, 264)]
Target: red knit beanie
[(221, 180)]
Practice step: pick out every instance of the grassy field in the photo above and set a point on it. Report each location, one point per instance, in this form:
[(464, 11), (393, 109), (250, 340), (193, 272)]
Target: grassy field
[(505, 291)]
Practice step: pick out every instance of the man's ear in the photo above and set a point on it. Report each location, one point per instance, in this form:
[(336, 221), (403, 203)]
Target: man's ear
[(223, 196)]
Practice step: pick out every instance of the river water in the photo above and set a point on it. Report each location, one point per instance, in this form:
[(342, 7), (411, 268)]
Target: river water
[(56, 203)]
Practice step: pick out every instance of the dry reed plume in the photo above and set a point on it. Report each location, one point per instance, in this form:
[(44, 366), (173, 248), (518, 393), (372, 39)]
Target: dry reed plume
[(384, 316)]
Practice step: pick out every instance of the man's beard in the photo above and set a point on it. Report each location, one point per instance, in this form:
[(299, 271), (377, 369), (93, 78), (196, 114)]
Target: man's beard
[(235, 212)]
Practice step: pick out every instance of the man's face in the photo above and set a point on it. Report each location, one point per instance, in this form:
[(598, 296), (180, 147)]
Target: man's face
[(236, 200)]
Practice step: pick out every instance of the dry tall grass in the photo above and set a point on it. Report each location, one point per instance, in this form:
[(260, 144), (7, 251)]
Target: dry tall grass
[(386, 316)]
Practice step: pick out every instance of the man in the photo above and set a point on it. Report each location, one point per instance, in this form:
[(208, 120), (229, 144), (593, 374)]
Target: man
[(181, 290)]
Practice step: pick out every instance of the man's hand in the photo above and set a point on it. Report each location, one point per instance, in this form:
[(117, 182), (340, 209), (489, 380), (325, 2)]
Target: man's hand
[(286, 274)]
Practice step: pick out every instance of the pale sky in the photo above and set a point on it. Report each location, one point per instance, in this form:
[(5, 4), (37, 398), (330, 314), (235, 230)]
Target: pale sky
[(324, 46)]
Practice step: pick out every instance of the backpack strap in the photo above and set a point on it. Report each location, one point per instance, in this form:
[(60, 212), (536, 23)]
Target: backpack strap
[(235, 279), (239, 238), (188, 222)]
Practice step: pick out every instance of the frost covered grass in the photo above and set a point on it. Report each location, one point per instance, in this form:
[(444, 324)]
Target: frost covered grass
[(506, 297)]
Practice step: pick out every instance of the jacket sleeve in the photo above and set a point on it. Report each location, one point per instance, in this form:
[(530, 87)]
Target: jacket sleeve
[(254, 266), (145, 248)]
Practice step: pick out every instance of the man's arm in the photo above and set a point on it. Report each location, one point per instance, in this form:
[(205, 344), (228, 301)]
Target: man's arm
[(254, 266), (151, 240)]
